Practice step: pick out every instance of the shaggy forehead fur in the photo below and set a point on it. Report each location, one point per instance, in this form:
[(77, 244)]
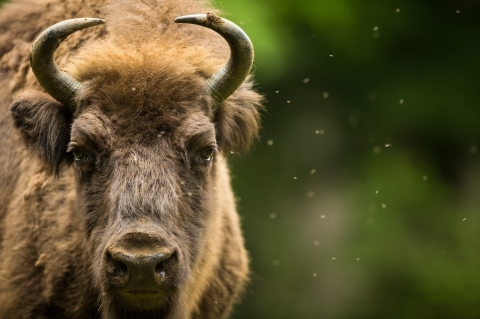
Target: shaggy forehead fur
[(144, 90)]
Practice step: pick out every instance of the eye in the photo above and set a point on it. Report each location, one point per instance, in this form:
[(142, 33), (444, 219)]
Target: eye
[(207, 154), (79, 155)]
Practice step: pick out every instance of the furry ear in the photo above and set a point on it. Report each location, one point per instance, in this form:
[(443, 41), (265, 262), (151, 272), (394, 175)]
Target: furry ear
[(237, 119), (44, 125)]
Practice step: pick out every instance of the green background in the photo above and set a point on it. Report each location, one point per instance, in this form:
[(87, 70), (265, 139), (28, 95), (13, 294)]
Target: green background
[(361, 198), (406, 79)]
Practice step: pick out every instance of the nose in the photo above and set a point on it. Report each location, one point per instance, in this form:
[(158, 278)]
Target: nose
[(140, 265), (140, 261)]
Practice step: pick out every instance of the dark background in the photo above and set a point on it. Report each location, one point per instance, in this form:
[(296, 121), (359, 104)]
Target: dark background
[(394, 88), (361, 198)]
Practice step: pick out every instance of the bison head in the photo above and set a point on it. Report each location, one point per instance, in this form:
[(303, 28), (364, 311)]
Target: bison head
[(145, 127)]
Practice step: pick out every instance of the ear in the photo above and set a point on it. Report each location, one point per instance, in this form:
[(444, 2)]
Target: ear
[(237, 119), (44, 125)]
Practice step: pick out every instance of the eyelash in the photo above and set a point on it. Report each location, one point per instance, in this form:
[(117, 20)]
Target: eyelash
[(207, 154), (79, 156)]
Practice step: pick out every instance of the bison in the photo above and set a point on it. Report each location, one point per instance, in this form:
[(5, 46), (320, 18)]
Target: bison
[(115, 197)]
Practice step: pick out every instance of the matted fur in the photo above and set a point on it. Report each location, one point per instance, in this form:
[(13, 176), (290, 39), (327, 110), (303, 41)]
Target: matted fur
[(143, 118)]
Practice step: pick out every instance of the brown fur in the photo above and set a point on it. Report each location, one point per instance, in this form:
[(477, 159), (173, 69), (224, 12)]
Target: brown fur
[(143, 119)]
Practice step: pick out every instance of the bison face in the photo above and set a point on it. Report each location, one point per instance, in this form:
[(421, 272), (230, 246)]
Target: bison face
[(146, 192)]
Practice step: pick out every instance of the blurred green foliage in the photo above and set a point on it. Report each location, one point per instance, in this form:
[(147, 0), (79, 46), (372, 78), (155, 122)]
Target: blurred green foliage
[(381, 99)]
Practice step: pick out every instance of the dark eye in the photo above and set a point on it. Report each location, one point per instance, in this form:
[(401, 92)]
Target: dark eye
[(79, 155), (207, 154)]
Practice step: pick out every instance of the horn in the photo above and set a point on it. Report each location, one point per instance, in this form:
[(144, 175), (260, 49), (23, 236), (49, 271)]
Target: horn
[(229, 78), (57, 83)]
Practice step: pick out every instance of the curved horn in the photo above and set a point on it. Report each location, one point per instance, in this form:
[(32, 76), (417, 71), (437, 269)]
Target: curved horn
[(57, 83), (226, 80)]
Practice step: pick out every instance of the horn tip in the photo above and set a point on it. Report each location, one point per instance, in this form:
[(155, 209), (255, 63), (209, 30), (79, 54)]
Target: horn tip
[(98, 21), (90, 21)]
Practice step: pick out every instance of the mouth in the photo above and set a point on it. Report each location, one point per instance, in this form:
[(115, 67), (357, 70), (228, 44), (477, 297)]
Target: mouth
[(143, 299), (142, 292)]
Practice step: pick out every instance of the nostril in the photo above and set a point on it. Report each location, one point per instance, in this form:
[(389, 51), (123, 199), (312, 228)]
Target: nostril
[(160, 267), (162, 262), (117, 267)]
